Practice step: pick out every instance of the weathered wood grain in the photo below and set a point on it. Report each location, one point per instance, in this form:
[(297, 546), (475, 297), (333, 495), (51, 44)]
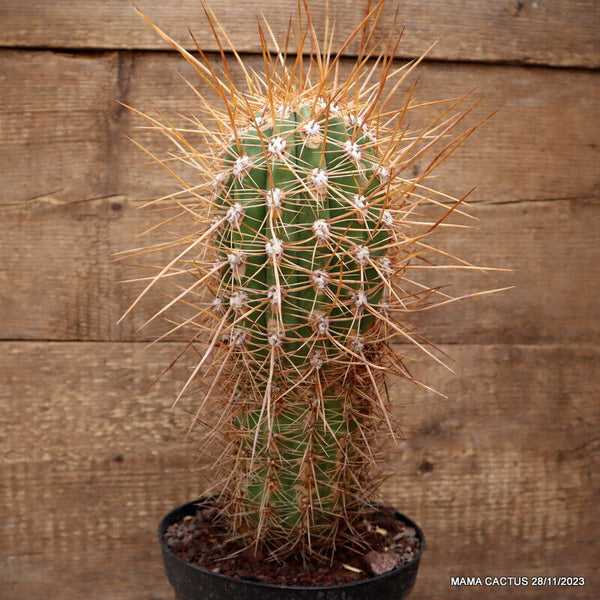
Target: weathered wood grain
[(58, 280), (91, 465), (549, 32), (65, 135), (517, 451), (57, 122)]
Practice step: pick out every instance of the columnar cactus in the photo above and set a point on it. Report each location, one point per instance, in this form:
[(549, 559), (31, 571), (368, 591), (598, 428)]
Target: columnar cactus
[(306, 222), (306, 245)]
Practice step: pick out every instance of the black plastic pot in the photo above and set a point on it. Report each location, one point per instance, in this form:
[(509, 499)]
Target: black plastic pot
[(191, 582)]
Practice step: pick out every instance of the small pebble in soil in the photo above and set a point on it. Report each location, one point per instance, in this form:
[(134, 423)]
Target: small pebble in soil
[(381, 562)]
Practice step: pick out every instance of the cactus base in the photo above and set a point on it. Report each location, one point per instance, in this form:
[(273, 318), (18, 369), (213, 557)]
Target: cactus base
[(191, 582)]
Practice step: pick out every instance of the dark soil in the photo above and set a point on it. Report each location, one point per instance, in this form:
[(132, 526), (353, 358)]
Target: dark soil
[(198, 539)]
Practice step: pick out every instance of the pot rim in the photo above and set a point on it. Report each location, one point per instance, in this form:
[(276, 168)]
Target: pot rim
[(170, 519)]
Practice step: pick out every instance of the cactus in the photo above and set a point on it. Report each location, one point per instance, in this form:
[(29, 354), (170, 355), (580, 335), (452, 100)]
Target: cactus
[(306, 225)]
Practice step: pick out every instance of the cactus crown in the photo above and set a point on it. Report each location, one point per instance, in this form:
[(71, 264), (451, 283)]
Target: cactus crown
[(306, 225)]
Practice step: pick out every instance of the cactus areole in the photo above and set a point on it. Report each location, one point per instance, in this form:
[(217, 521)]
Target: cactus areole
[(306, 223)]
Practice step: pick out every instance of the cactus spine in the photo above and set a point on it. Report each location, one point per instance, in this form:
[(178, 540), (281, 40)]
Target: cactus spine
[(305, 227)]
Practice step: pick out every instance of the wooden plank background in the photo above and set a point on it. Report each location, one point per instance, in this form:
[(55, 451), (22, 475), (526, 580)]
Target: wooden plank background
[(552, 32), (502, 473)]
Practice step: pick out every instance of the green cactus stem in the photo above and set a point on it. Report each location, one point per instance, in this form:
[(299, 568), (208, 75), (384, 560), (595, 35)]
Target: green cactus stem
[(301, 237)]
